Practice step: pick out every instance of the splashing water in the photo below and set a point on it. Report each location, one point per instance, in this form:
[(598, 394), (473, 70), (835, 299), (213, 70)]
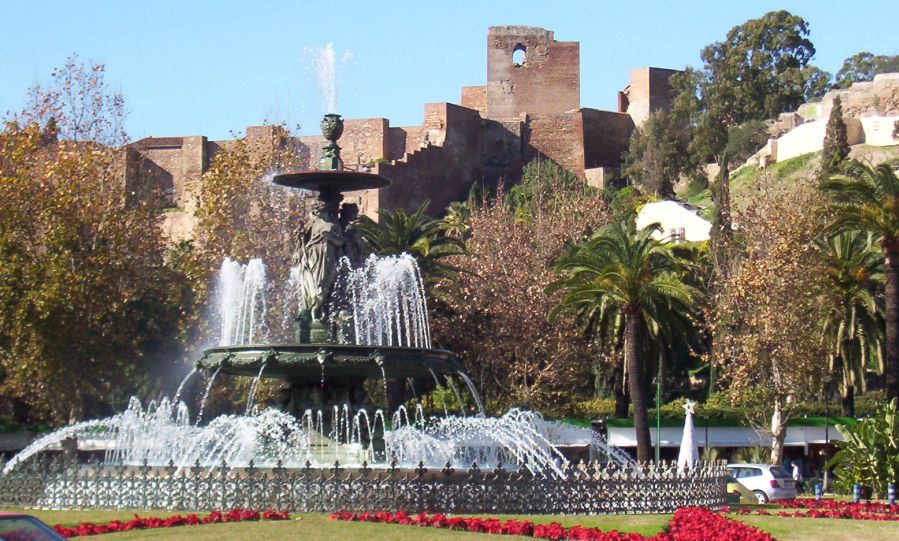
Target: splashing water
[(206, 393), (387, 299), (241, 301), (253, 387), (323, 63), (474, 393), (183, 383), (162, 433)]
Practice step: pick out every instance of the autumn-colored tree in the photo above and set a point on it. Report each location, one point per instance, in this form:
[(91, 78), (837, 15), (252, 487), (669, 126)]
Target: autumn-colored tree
[(243, 215), (78, 105), (767, 318), (494, 312), (87, 301)]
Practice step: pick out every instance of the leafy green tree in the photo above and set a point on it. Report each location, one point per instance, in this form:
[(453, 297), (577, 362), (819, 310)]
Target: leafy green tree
[(658, 154), (417, 234), (760, 70), (721, 256), (744, 140), (851, 330), (836, 143), (540, 180), (863, 66), (621, 272), (866, 198), (869, 452), (758, 65)]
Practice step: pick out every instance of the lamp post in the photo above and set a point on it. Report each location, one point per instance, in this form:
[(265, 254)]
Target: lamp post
[(826, 379), (706, 441), (659, 411)]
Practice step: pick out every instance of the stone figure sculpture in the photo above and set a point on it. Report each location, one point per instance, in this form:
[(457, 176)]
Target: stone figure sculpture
[(352, 247), (321, 250)]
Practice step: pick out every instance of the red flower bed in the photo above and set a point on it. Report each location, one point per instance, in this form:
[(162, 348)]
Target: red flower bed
[(144, 523), (809, 508), (688, 524)]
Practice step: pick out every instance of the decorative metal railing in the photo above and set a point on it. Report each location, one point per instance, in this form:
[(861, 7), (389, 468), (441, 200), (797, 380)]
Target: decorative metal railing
[(586, 488)]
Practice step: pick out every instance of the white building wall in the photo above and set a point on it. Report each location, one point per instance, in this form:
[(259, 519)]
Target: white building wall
[(809, 137), (726, 436), (673, 217), (879, 130)]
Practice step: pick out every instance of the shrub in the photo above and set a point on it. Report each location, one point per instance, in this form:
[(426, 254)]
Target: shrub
[(869, 452)]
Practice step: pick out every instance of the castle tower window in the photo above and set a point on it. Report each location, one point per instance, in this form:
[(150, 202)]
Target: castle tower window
[(519, 55)]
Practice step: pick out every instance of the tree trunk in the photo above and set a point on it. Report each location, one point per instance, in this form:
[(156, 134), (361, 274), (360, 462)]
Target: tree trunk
[(847, 401), (778, 432), (632, 348), (620, 390), (891, 298)]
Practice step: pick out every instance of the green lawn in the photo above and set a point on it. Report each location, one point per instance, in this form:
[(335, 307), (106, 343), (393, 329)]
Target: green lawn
[(319, 527)]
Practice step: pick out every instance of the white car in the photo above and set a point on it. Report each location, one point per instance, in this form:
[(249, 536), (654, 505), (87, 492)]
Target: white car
[(765, 481)]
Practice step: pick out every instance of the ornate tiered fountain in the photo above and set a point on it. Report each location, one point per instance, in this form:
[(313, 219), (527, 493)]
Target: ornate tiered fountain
[(328, 340), (327, 447)]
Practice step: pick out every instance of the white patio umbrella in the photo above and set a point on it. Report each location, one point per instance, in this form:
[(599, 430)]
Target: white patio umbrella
[(689, 452)]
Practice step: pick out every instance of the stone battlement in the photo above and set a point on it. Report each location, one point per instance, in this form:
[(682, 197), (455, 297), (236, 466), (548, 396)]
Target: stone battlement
[(529, 107)]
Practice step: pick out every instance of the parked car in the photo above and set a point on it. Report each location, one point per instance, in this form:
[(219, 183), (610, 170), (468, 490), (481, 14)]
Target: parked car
[(737, 493), (765, 481), (19, 527)]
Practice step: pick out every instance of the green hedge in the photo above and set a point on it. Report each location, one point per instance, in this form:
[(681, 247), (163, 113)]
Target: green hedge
[(720, 408)]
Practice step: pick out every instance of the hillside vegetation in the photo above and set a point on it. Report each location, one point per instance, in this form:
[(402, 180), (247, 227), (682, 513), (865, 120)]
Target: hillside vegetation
[(784, 173)]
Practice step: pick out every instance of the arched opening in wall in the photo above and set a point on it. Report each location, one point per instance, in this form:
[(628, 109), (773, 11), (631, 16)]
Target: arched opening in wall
[(519, 55)]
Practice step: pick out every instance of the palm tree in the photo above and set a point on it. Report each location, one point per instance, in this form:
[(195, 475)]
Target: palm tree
[(417, 234), (627, 273), (457, 222), (852, 329), (867, 198)]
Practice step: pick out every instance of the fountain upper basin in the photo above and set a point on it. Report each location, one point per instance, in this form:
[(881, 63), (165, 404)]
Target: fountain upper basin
[(303, 363), (331, 180)]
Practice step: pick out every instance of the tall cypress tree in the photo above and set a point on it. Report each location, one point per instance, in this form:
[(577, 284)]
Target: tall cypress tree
[(836, 143), (720, 238)]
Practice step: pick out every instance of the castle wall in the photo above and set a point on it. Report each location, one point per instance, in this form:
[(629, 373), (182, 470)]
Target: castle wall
[(547, 82), (170, 167), (879, 97), (364, 141), (606, 136), (649, 90), (529, 107), (475, 97), (439, 174), (559, 137)]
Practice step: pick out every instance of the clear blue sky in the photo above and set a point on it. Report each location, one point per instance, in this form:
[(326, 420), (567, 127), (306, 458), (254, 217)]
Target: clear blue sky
[(213, 68)]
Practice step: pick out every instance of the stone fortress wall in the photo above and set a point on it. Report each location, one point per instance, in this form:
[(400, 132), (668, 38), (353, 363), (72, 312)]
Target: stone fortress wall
[(529, 107)]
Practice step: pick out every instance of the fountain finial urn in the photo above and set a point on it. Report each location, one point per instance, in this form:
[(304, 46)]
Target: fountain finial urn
[(332, 129)]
